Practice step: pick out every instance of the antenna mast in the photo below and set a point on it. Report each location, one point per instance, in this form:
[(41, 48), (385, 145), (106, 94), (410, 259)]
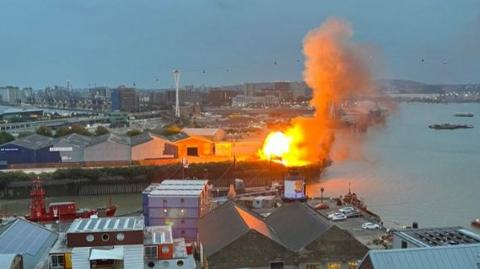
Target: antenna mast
[(176, 77)]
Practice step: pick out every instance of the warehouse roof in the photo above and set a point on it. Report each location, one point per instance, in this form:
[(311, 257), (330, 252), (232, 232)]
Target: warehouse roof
[(26, 238), (106, 224), (301, 218), (34, 141), (445, 257), (110, 137), (430, 237), (177, 137), (144, 137), (75, 139), (227, 223), (201, 131)]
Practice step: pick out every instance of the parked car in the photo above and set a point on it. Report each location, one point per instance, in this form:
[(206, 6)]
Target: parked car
[(370, 226), (322, 206), (338, 217), (353, 214), (346, 209)]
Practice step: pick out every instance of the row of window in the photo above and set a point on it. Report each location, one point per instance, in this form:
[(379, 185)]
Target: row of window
[(334, 265), (105, 237)]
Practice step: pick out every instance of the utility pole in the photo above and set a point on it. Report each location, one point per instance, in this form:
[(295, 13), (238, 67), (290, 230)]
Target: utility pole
[(176, 77)]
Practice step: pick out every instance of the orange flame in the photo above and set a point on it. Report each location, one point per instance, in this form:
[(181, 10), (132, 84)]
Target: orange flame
[(283, 148)]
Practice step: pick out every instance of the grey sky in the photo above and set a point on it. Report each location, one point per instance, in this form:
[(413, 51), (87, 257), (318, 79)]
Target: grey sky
[(215, 42)]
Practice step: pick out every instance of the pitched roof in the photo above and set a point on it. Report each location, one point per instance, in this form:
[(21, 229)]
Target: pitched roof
[(34, 141), (297, 225), (227, 223), (201, 131), (446, 257), (177, 137), (144, 138), (21, 236), (110, 137), (75, 139)]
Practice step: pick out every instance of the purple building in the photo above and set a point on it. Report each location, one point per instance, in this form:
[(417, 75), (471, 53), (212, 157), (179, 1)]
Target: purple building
[(179, 203)]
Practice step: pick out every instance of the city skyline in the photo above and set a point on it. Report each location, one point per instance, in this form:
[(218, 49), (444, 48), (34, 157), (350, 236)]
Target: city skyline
[(229, 42)]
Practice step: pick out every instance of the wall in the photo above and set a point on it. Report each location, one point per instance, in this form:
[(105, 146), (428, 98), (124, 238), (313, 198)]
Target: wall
[(79, 239), (107, 151), (205, 148), (252, 250), (153, 149), (16, 154), (69, 152)]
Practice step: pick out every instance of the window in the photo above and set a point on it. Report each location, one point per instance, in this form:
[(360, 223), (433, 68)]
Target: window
[(58, 260), (165, 249), (120, 236), (105, 237), (192, 151), (333, 265), (352, 265), (404, 244), (179, 263), (151, 252), (312, 266), (90, 238), (276, 265), (151, 264), (182, 200)]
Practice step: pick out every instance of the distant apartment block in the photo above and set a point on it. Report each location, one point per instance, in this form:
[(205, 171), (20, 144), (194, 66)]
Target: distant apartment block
[(125, 100)]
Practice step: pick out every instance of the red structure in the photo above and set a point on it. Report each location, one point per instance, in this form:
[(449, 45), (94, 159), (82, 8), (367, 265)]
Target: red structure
[(62, 210)]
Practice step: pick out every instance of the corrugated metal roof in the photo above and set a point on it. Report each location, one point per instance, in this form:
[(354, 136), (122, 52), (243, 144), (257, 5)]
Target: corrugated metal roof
[(21, 236), (75, 139), (446, 257), (34, 141), (106, 224), (120, 139), (145, 137)]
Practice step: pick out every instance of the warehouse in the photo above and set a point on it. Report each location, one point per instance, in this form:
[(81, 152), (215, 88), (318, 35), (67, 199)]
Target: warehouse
[(31, 149), (148, 146), (107, 148), (29, 240), (292, 236), (71, 147), (192, 146)]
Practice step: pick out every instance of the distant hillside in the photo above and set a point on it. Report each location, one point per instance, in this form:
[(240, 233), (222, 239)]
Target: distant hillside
[(409, 86)]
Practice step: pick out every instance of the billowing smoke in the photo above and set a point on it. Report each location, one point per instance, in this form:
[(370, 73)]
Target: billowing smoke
[(338, 70)]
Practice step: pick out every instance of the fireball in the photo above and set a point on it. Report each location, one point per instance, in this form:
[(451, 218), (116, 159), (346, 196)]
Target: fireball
[(283, 147)]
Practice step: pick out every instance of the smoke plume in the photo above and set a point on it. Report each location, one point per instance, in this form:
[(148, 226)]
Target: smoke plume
[(337, 69)]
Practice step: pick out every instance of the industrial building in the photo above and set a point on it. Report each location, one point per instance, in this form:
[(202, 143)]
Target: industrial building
[(96, 242), (71, 147), (433, 237), (192, 146), (179, 203), (292, 236), (148, 146), (31, 149), (212, 134), (107, 148), (14, 113), (445, 257), (24, 244), (119, 243)]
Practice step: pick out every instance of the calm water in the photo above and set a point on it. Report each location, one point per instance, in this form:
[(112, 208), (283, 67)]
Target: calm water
[(407, 172)]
